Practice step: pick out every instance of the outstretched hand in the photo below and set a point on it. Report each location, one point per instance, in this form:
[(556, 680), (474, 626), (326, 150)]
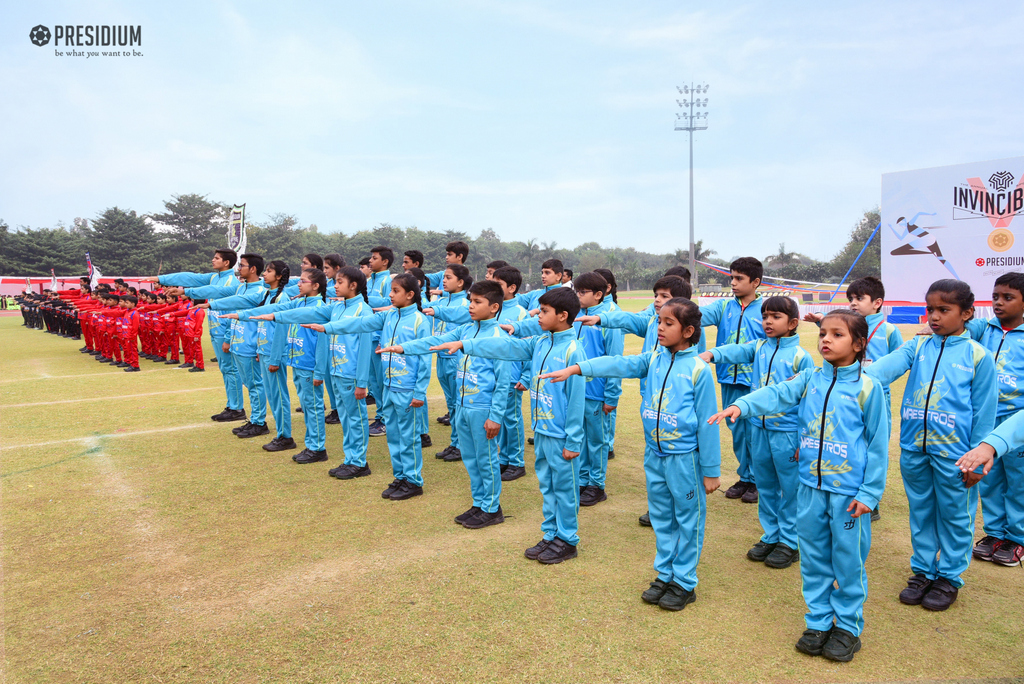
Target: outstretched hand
[(429, 311), (450, 347), (262, 317), (731, 412), (314, 326), (706, 356), (561, 375), (588, 320), (393, 349), (232, 316)]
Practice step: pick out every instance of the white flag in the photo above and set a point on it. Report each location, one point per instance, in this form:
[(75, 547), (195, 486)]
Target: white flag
[(53, 281)]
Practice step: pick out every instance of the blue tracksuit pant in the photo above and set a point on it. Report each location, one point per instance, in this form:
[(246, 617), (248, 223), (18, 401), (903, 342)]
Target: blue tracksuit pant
[(422, 419), (352, 411), (403, 442), (229, 374), (446, 370), (594, 457), (677, 504), (335, 402), (512, 437), (276, 387), (250, 375), (740, 432), (776, 468), (1002, 496), (609, 428), (833, 549), (559, 488), (480, 456), (312, 401), (376, 387), (941, 515)]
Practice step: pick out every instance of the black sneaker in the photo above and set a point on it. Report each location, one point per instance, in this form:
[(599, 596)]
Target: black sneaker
[(750, 496), (196, 370), (534, 551), (219, 416), (310, 456), (876, 513), (229, 416), (841, 646), (332, 418), (442, 419), (654, 594), (443, 452), (484, 519), (254, 430), (592, 496), (281, 444), (463, 517), (406, 490), (333, 472), (782, 557), (645, 519), (172, 362), (737, 490), (377, 428), (917, 587), (1009, 554), (187, 364), (557, 551), (760, 551), (243, 426), (813, 641), (132, 369), (529, 440), (941, 595), (370, 401), (425, 441), (676, 598), (445, 420), (453, 456), (395, 484), (351, 472), (984, 549), (298, 409), (512, 473)]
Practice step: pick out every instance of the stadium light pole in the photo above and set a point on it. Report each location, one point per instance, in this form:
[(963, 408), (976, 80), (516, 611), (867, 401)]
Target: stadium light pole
[(691, 121)]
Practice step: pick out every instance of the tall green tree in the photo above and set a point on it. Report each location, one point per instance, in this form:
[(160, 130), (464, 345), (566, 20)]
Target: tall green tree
[(123, 243), (870, 263), (194, 228)]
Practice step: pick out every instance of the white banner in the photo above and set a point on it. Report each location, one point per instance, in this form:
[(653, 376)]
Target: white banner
[(952, 222)]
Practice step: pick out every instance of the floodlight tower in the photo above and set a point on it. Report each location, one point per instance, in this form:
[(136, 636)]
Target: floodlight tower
[(691, 121)]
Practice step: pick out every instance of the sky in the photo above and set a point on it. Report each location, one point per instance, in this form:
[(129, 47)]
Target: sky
[(535, 119)]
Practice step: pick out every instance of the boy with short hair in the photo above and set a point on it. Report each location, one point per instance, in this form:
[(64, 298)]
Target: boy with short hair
[(738, 320), (494, 266), (513, 436), (550, 277), (130, 333), (413, 258), (378, 287), (557, 414)]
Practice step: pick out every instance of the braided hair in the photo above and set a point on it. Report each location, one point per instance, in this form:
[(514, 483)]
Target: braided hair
[(408, 282), (283, 274), (317, 276)]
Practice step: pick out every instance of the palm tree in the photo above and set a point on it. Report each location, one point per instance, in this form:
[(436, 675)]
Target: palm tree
[(528, 253), (549, 249), (782, 258)]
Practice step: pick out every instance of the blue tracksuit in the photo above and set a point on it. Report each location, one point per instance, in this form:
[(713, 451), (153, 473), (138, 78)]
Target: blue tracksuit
[(597, 341), (1002, 490), (450, 311), (512, 438), (482, 386), (242, 336), (378, 287), (220, 284), (642, 324), (844, 455), (949, 405), (344, 362), (405, 380), (557, 416), (681, 450), (275, 384), (773, 438), (736, 324)]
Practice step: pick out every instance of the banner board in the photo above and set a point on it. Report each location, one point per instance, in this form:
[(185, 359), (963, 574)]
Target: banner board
[(963, 222)]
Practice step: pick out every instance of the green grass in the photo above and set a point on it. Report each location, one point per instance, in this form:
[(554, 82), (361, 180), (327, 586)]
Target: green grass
[(137, 551)]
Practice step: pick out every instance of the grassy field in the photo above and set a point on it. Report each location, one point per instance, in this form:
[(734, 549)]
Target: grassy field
[(143, 542)]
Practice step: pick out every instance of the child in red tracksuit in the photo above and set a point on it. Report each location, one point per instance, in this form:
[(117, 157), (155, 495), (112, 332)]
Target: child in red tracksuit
[(194, 335), (181, 330), (130, 333)]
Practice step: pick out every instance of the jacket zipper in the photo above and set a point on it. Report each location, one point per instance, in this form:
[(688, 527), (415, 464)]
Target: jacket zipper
[(661, 397), (928, 397), (537, 382), (394, 335), (739, 326), (764, 425), (824, 410)]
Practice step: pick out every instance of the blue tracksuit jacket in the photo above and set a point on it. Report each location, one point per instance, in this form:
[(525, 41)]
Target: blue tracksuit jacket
[(1009, 436), (205, 286), (243, 335), (528, 300), (346, 356), (1007, 350), (598, 341), (736, 325)]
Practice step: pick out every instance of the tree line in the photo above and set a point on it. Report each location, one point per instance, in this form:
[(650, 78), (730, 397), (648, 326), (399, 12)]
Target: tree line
[(183, 236)]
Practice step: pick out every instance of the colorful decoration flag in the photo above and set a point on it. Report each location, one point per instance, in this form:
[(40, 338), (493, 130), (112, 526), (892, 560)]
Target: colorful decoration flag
[(94, 273), (236, 229), (53, 281)]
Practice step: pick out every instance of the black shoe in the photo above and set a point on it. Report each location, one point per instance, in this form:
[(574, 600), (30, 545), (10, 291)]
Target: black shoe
[(760, 551), (351, 472), (406, 490), (484, 519), (213, 360), (219, 416), (298, 409), (841, 646), (534, 551), (645, 519), (876, 513), (676, 598), (280, 444), (917, 587), (453, 456), (446, 421), (253, 430), (229, 416), (332, 418), (529, 440), (782, 557), (463, 517), (122, 364), (984, 549), (442, 419), (736, 491), (512, 473), (557, 551), (503, 467), (592, 496), (443, 452), (310, 456), (196, 370), (333, 472), (654, 594), (611, 454), (750, 496), (395, 484), (188, 364), (813, 641), (425, 441), (243, 426), (370, 401), (83, 349), (132, 369), (378, 429), (941, 595), (172, 362)]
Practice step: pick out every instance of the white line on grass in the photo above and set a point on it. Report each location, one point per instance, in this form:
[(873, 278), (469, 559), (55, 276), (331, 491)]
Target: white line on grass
[(122, 396), (88, 439), (80, 375)]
